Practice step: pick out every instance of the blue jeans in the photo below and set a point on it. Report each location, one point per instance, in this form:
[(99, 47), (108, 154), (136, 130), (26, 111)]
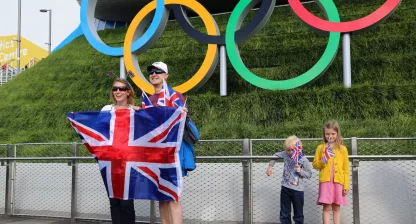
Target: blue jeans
[(287, 198)]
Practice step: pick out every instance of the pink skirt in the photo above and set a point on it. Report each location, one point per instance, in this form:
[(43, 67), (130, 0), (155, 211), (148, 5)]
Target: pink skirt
[(331, 193)]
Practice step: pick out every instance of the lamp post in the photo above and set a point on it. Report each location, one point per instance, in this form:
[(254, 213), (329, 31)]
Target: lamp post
[(19, 15), (50, 28)]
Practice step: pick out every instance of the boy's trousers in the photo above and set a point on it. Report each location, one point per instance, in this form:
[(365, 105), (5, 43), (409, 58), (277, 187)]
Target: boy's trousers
[(287, 198)]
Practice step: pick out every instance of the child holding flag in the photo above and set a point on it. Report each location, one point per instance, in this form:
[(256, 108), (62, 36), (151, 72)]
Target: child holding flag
[(296, 167), (331, 159)]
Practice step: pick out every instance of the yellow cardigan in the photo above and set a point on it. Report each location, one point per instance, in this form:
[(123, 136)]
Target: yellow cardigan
[(341, 165)]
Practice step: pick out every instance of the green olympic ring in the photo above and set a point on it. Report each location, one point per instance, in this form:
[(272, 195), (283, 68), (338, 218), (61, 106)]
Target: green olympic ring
[(319, 68)]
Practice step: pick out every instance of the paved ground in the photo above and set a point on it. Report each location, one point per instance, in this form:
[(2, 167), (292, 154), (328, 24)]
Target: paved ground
[(29, 220)]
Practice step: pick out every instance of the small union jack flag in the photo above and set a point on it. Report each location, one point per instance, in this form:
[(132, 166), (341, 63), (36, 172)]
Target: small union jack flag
[(328, 153), (297, 152), (145, 101), (172, 98), (168, 97), (161, 101)]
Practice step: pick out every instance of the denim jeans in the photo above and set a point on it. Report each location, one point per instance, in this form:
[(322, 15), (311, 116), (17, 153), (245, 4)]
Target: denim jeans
[(122, 211), (290, 197)]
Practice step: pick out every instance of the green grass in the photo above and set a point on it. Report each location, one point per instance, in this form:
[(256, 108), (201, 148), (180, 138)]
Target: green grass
[(33, 106)]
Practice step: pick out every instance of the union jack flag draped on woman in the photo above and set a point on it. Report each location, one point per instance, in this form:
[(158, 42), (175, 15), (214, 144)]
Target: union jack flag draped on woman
[(137, 151)]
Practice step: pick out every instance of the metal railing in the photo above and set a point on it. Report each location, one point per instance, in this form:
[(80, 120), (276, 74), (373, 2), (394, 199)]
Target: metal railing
[(228, 186), (8, 72)]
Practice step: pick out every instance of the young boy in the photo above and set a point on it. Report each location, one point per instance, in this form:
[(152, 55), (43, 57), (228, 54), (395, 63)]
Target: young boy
[(292, 182)]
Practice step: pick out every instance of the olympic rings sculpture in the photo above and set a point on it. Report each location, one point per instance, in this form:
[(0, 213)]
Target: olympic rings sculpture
[(137, 41)]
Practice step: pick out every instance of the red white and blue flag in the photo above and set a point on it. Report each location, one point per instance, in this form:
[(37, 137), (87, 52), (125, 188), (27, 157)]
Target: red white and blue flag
[(137, 151), (168, 97), (328, 153), (172, 98), (161, 101), (146, 103), (297, 152)]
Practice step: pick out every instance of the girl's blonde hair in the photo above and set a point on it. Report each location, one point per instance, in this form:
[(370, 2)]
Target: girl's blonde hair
[(334, 126), (130, 97)]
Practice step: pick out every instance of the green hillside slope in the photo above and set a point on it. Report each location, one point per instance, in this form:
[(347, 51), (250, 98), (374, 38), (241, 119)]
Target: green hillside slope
[(33, 106)]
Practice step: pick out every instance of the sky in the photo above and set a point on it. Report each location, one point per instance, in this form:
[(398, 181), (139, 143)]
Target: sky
[(35, 25)]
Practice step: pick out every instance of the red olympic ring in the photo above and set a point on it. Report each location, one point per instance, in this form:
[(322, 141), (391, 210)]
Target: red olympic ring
[(344, 27)]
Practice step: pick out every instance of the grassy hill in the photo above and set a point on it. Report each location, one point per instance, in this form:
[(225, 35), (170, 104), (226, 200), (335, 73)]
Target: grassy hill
[(33, 106)]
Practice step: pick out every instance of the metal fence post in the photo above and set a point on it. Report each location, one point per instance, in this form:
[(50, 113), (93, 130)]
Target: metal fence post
[(251, 182), (246, 182), (74, 186), (9, 183), (355, 190), (13, 174), (152, 212)]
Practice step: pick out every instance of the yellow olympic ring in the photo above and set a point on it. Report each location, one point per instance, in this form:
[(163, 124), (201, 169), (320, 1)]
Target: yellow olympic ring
[(209, 57)]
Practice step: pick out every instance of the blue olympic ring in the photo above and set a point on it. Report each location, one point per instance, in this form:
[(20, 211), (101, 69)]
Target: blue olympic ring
[(87, 25)]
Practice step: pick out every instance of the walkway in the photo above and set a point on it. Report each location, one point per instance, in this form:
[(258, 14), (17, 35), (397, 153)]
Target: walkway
[(31, 220)]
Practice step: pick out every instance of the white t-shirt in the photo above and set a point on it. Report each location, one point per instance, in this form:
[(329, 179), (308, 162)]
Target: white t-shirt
[(110, 107), (107, 107)]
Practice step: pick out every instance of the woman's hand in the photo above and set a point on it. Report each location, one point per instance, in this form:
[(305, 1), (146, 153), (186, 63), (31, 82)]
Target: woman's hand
[(344, 192), (136, 108)]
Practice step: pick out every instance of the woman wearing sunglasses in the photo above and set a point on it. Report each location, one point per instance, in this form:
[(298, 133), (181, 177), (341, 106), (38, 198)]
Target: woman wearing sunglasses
[(122, 211), (122, 95)]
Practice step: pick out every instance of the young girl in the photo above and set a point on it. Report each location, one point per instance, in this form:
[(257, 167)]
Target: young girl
[(334, 173)]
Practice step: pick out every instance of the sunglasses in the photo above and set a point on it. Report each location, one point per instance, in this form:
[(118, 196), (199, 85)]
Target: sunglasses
[(120, 88), (159, 71)]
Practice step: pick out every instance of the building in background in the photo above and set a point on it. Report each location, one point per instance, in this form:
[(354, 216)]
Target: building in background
[(30, 53)]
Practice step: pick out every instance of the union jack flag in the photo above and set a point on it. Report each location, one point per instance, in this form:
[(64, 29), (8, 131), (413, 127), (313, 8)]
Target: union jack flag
[(297, 152), (328, 153), (137, 151), (168, 97), (161, 101), (172, 98), (145, 101)]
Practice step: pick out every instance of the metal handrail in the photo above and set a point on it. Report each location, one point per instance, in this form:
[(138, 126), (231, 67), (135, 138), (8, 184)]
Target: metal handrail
[(389, 157), (221, 140), (228, 140), (46, 143), (80, 143), (405, 138), (283, 139), (45, 158)]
